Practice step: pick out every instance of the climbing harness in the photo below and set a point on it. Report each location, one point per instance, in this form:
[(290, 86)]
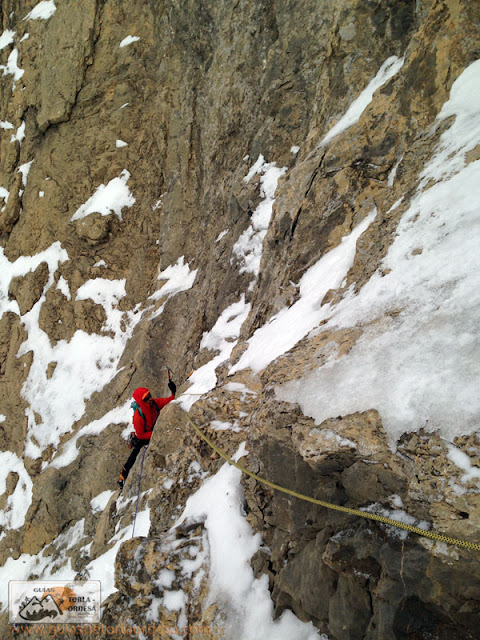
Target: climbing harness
[(138, 494), (328, 505)]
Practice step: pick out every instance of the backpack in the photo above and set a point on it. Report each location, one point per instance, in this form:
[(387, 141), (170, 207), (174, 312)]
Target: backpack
[(136, 407)]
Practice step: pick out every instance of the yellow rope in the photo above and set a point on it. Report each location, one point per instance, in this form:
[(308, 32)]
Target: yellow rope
[(328, 505)]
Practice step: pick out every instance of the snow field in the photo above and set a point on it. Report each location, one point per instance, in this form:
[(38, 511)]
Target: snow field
[(418, 361)]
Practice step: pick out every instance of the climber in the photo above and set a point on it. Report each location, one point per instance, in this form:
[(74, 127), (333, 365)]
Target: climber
[(146, 410)]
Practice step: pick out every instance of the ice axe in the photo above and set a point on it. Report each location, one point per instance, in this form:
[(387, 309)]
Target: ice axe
[(170, 375)]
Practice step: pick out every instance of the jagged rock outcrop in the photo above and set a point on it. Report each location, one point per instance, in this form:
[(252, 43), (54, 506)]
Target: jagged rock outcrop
[(179, 116)]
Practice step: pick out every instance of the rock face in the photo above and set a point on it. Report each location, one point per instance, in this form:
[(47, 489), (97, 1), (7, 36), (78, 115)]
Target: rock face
[(180, 115)]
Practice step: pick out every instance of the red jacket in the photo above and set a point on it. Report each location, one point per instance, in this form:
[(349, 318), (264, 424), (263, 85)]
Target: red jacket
[(144, 428)]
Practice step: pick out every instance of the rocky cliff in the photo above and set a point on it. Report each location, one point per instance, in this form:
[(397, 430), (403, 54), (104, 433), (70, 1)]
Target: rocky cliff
[(279, 196)]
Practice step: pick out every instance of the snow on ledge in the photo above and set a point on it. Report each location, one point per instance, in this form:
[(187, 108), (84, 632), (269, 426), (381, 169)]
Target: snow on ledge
[(128, 40), (43, 10), (107, 199), (389, 68), (179, 278), (6, 38)]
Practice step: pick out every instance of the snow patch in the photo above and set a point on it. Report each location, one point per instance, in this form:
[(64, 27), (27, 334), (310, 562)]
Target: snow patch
[(107, 199), (221, 235), (248, 248), (389, 68), (12, 516), (62, 284), (4, 195), (399, 515), (179, 278), (462, 461), (24, 169), (12, 68), (19, 135), (100, 502), (69, 451), (128, 40), (291, 324), (103, 567), (84, 365), (6, 38), (222, 337), (43, 11)]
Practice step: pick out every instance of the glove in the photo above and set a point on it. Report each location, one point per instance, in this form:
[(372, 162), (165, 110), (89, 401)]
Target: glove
[(172, 386)]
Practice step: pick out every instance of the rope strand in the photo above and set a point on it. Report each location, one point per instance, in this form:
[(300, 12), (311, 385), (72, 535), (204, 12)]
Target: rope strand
[(328, 505)]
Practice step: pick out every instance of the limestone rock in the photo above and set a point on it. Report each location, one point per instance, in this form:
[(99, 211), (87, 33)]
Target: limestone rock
[(94, 228), (26, 290)]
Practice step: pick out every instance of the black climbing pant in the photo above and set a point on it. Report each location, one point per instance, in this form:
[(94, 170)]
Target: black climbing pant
[(133, 456)]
